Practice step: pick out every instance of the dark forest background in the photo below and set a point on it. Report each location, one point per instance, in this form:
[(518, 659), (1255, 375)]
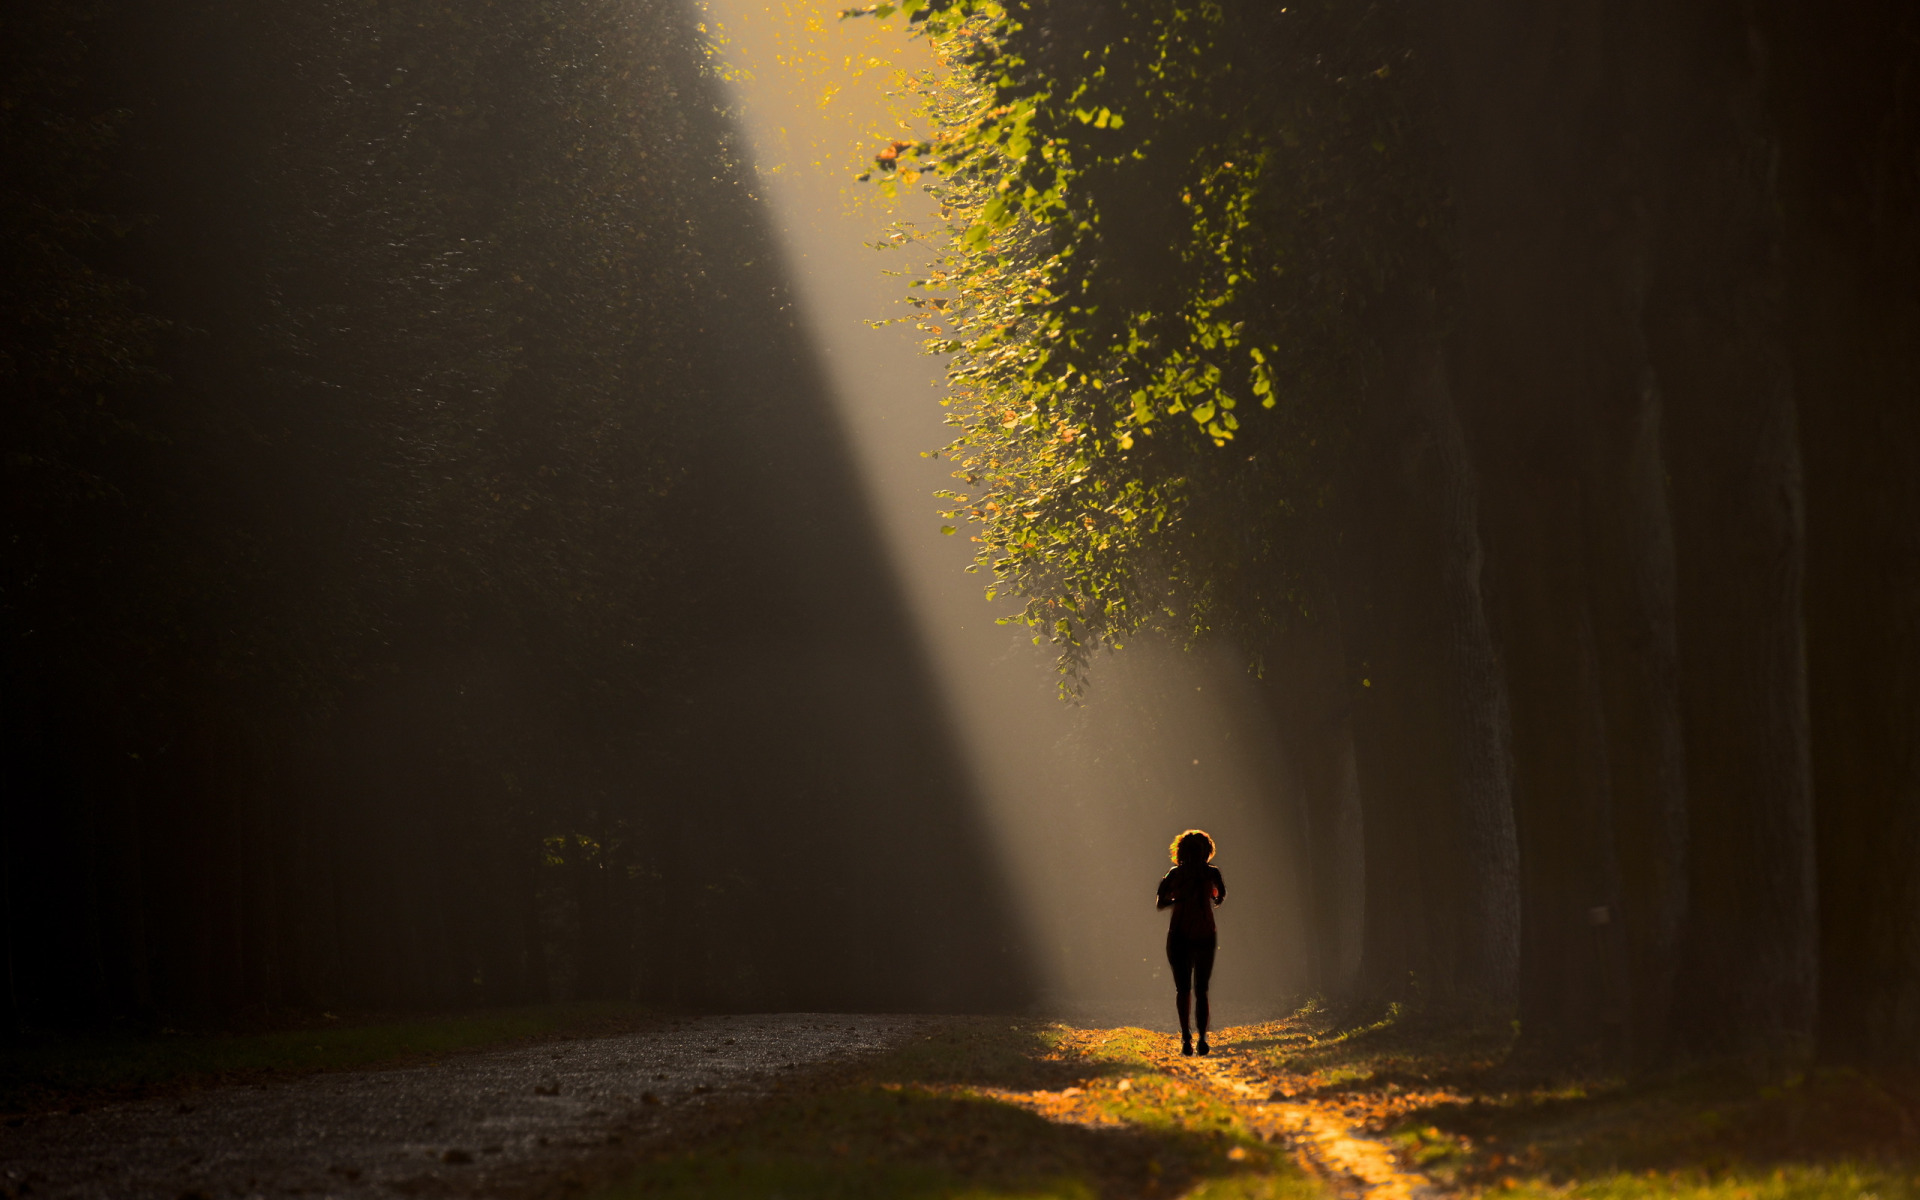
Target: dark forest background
[(431, 576)]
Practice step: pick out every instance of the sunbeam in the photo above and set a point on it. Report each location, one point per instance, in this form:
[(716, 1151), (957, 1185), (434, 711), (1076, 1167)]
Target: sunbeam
[(1082, 800)]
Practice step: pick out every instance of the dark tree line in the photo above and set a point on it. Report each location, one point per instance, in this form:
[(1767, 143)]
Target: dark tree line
[(426, 548), (1529, 390)]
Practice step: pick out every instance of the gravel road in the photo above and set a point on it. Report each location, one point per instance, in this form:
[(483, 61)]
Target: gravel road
[(514, 1122)]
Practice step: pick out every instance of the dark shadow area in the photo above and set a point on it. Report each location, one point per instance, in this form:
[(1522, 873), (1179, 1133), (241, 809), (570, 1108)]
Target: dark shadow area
[(912, 1144), (83, 1073), (454, 589)]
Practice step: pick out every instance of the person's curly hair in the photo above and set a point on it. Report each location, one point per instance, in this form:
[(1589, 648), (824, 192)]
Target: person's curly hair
[(1189, 845)]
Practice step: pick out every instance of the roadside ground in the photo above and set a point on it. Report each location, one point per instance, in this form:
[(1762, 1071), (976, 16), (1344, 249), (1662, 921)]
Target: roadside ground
[(539, 1116), (1464, 1112), (618, 1103), (74, 1071), (1313, 1106), (992, 1107)]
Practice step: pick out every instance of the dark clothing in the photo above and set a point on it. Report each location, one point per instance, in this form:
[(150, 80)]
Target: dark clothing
[(1192, 889), (1192, 963)]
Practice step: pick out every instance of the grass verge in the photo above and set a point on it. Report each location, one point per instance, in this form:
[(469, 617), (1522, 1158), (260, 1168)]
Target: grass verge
[(73, 1071), (1464, 1112), (985, 1109)]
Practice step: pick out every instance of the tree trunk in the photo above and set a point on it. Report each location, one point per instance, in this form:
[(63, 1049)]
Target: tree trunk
[(1408, 925), (1550, 365), (1844, 104), (1571, 990), (1477, 718), (1634, 604), (1749, 979), (1430, 725), (1307, 689)]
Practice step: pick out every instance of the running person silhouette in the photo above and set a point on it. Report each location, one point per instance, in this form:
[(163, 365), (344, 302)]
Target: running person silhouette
[(1192, 889)]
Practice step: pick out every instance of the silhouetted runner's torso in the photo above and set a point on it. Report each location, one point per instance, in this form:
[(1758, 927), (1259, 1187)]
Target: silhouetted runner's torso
[(1192, 889)]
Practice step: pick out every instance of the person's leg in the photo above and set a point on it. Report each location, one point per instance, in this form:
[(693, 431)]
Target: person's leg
[(1180, 958), (1202, 954)]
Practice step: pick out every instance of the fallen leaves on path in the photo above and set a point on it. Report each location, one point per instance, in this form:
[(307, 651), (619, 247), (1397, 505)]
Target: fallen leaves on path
[(1338, 1137)]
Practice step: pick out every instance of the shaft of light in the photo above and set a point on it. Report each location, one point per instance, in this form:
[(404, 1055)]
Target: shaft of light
[(1081, 801)]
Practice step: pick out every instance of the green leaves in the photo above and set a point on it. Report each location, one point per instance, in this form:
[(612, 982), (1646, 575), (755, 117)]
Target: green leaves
[(1219, 240)]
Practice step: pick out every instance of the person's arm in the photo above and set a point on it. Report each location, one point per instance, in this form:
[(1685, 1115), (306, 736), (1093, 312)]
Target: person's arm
[(1161, 897), (1219, 888)]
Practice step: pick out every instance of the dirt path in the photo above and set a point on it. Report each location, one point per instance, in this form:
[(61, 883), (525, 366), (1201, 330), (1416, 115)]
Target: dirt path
[(1330, 1133), (507, 1122), (1329, 1142)]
